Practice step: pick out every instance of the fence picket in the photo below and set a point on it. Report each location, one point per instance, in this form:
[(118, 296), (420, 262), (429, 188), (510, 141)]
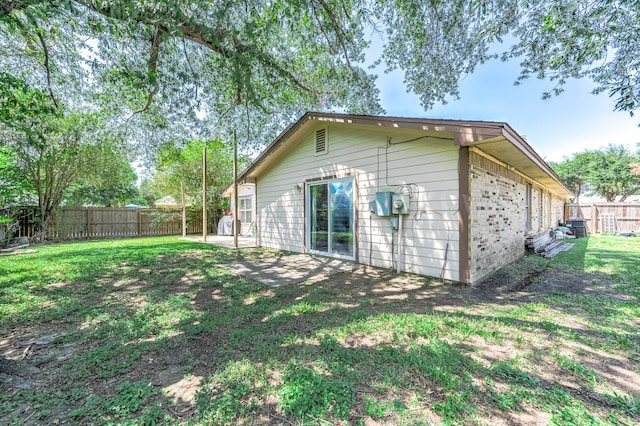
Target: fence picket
[(106, 222)]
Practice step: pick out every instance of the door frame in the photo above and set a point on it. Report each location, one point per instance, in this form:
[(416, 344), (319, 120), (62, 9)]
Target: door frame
[(307, 212)]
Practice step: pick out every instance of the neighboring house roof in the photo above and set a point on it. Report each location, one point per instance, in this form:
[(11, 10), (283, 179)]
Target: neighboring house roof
[(167, 202), (244, 190), (497, 139)]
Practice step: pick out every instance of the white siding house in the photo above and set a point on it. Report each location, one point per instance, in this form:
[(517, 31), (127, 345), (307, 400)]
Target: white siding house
[(466, 206), (246, 211)]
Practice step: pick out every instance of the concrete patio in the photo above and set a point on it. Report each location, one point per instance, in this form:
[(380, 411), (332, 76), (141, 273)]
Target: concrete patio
[(289, 269), (224, 241)]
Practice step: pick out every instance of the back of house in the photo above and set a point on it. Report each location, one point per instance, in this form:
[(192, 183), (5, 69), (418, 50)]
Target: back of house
[(443, 198)]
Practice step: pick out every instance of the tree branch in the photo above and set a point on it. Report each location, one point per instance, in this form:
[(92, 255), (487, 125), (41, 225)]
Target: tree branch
[(340, 35), (186, 57), (153, 70), (210, 38), (45, 49)]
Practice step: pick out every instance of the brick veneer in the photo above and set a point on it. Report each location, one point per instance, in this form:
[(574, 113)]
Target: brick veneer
[(497, 223)]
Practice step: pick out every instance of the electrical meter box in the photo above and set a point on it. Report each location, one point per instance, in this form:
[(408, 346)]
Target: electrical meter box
[(400, 204), (381, 206)]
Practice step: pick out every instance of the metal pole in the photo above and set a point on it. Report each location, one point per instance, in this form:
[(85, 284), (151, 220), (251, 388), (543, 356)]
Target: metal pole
[(204, 194), (184, 211), (399, 243), (236, 231)]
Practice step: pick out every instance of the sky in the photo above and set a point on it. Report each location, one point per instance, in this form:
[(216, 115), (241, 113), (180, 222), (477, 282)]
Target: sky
[(556, 128)]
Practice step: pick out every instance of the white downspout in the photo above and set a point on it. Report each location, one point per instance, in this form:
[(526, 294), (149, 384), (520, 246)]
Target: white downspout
[(399, 243)]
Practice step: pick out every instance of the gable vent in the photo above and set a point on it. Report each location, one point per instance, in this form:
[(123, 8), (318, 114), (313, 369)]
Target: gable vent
[(321, 141)]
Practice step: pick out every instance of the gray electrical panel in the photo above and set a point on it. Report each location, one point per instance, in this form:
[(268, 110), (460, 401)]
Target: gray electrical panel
[(381, 206), (400, 204)]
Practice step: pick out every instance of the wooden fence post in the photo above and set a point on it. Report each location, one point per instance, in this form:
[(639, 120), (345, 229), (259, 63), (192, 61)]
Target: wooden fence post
[(88, 222)]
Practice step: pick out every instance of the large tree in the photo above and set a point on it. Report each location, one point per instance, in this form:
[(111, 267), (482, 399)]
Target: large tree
[(52, 148), (609, 172), (180, 169), (178, 70), (113, 184), (173, 61), (574, 172)]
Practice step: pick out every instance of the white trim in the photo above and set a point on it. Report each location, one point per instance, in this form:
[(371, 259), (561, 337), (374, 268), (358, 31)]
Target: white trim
[(308, 221)]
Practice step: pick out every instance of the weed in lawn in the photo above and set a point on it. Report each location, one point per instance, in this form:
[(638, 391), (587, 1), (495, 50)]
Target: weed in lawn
[(380, 408), (508, 373), (227, 395), (455, 406), (131, 398), (570, 365), (503, 400), (627, 404), (307, 392), (374, 408)]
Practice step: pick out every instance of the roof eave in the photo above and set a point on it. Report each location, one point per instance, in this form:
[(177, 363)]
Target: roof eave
[(466, 133)]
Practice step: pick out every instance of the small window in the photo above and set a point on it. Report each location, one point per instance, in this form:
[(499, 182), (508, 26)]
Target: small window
[(245, 210), (527, 207), (549, 223), (321, 141), (540, 216)]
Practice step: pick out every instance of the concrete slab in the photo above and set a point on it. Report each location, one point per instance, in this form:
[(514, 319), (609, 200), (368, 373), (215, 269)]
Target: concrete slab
[(225, 241), (290, 269)]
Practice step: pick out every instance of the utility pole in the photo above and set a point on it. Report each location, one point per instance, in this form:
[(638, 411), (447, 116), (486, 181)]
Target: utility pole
[(236, 220), (204, 194), (184, 210)]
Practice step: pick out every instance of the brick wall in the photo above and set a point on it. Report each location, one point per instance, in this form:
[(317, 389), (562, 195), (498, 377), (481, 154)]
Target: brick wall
[(497, 215), (497, 228)]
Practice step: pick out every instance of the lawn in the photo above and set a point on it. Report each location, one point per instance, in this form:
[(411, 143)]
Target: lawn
[(153, 330)]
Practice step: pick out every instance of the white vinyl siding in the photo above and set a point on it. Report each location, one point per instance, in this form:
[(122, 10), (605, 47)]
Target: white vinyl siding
[(428, 168)]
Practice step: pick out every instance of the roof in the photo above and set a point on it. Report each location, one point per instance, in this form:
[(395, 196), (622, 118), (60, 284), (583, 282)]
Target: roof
[(166, 202), (243, 189), (497, 139)]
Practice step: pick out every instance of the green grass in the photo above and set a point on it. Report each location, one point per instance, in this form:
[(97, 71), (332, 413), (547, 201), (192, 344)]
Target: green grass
[(136, 319)]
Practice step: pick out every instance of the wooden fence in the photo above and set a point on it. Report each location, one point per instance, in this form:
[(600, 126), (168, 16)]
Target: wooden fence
[(74, 223), (605, 217)]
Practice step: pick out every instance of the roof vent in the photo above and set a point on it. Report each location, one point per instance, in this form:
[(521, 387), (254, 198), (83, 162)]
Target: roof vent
[(321, 141)]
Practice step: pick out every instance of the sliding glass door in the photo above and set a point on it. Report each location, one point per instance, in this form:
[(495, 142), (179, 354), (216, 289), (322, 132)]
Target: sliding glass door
[(330, 218)]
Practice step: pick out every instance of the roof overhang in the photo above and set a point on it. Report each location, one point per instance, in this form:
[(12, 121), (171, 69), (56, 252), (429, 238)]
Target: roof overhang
[(496, 139), (228, 191), (509, 148)]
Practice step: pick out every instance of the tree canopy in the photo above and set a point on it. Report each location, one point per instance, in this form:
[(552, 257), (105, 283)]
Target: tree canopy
[(113, 186), (203, 66), (167, 70), (12, 185), (181, 169), (611, 172), (48, 151)]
